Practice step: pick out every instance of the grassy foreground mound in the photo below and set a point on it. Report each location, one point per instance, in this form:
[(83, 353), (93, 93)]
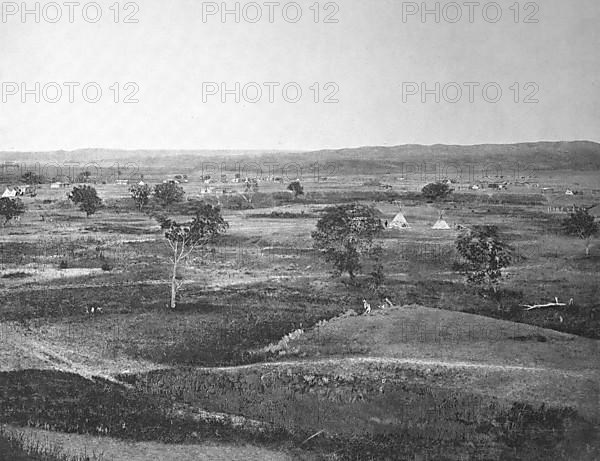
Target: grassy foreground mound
[(497, 357)]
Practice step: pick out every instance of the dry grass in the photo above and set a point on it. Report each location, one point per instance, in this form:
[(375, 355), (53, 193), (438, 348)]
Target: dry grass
[(507, 359), (264, 282), (81, 447)]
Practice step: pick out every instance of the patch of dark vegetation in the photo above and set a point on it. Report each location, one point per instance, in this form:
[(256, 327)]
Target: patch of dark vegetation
[(358, 419), (208, 328), (506, 304), (117, 228), (505, 198), (49, 302), (224, 327), (577, 320), (69, 403), (79, 252), (106, 266), (543, 433), (239, 241), (16, 252), (538, 338), (285, 215), (16, 275), (348, 196)]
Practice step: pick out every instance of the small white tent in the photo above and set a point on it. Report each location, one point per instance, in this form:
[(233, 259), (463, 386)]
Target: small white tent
[(441, 224), (9, 192), (399, 222)]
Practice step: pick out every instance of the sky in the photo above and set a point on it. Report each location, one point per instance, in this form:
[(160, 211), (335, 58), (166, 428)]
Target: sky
[(307, 75)]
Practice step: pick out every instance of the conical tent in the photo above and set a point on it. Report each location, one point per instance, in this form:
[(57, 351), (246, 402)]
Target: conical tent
[(9, 193), (440, 224), (399, 222)]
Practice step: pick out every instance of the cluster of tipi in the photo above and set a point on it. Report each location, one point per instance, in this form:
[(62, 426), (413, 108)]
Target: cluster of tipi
[(400, 222)]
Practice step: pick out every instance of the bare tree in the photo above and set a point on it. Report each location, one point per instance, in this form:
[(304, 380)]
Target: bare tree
[(183, 239)]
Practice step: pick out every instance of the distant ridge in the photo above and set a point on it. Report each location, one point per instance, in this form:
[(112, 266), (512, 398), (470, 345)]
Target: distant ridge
[(560, 155)]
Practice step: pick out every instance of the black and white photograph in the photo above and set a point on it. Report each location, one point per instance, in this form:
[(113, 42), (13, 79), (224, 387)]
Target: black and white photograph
[(299, 230)]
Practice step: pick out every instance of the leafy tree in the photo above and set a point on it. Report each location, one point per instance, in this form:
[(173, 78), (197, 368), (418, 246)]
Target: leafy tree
[(11, 208), (296, 188), (141, 194), (184, 238), (583, 225), (345, 233), (87, 199), (436, 190), (485, 254), (168, 193)]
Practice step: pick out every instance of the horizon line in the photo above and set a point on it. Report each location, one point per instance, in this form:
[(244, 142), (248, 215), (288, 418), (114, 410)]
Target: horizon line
[(271, 150)]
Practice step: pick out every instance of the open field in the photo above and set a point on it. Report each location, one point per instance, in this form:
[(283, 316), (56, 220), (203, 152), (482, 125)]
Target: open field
[(444, 374)]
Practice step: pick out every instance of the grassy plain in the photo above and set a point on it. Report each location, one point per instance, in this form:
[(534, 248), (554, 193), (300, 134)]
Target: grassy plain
[(445, 374)]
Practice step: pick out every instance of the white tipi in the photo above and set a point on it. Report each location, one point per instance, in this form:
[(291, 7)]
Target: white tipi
[(441, 224), (9, 192), (399, 222)]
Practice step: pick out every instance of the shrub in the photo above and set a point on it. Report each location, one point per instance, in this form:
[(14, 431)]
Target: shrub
[(168, 193), (63, 264), (437, 190), (11, 208)]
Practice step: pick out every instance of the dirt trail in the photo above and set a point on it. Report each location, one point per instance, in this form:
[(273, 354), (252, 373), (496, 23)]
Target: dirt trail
[(388, 361), (20, 350), (25, 346), (30, 350)]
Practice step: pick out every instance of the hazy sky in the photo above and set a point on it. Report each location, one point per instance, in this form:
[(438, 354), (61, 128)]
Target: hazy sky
[(369, 57)]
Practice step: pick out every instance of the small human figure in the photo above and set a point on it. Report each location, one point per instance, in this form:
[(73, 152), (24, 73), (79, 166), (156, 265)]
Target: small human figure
[(366, 306)]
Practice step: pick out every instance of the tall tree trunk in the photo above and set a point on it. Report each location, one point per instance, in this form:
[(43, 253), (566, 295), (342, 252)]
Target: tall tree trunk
[(174, 287), (587, 249)]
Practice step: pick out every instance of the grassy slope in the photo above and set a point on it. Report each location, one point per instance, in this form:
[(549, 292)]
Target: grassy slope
[(563, 370)]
